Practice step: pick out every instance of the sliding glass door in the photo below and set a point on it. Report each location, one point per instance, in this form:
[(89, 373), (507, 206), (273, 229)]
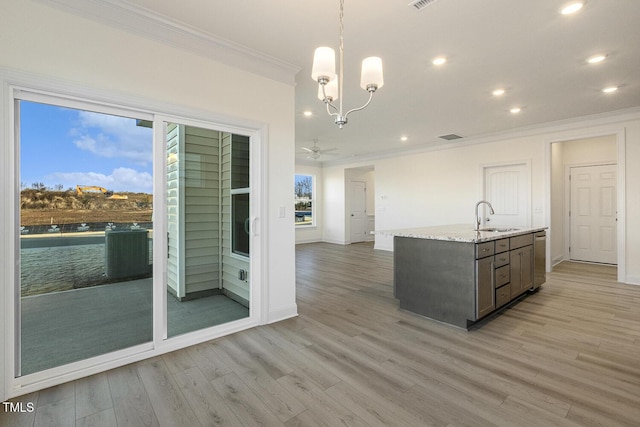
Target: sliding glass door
[(86, 229), (106, 197)]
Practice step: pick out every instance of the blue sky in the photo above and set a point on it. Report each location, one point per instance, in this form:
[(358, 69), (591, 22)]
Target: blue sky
[(73, 147)]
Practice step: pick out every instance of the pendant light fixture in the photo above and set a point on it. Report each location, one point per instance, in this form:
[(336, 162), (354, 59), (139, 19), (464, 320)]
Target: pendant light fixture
[(330, 83)]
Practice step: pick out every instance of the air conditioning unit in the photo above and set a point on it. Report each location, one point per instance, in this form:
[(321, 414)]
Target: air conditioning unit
[(126, 254)]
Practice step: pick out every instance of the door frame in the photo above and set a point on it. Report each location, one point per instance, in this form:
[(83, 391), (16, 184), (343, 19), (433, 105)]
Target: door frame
[(620, 136), (567, 203), (10, 87)]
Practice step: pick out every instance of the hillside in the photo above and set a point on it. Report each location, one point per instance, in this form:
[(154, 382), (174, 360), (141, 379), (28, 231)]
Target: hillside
[(42, 207)]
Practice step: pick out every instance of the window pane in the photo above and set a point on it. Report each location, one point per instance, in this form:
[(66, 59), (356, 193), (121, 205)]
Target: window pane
[(239, 162), (85, 235), (204, 284), (240, 214), (303, 200)]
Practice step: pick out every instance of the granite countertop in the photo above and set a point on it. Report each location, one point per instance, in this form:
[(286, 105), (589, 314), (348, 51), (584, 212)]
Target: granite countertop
[(458, 233)]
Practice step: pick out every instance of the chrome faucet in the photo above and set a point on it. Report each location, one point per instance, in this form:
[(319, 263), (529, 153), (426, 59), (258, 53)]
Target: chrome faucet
[(478, 219)]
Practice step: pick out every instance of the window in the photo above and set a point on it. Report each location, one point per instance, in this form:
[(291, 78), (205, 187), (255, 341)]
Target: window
[(304, 201), (240, 192)]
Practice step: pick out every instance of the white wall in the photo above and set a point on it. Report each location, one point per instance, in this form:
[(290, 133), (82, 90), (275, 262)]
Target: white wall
[(632, 219), (442, 186), (311, 234), (50, 44), (589, 150), (333, 207)]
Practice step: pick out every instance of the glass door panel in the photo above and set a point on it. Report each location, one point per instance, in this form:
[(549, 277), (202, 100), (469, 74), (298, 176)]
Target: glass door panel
[(207, 285), (85, 235)]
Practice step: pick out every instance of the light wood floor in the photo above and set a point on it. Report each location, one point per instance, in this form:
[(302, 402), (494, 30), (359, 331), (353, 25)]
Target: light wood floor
[(568, 355)]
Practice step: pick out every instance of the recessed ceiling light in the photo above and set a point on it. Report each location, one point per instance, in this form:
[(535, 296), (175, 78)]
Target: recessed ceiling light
[(439, 60), (498, 92), (572, 7), (596, 58), (308, 113), (610, 89), (403, 138), (515, 110)]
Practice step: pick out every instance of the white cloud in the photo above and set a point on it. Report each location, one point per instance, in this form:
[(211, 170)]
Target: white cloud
[(120, 180), (113, 137)]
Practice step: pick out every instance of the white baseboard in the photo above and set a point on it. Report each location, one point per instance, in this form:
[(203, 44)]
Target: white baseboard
[(302, 241), (336, 242), (632, 280), (282, 313)]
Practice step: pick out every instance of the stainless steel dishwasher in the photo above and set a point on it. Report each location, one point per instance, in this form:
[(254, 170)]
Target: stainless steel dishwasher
[(539, 256)]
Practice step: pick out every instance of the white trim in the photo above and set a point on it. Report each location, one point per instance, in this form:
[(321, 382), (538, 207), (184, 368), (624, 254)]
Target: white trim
[(303, 241), (152, 25), (160, 228), (75, 102), (259, 243), (65, 92), (7, 252)]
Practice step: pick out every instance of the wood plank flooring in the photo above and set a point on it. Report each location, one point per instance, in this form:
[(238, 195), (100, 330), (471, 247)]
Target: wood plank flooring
[(568, 355)]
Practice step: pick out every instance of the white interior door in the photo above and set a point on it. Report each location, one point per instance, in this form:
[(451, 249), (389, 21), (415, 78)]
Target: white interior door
[(508, 190), (358, 203), (593, 214)]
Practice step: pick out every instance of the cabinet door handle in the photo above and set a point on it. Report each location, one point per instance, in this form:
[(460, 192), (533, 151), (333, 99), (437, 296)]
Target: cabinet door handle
[(493, 284), (520, 255)]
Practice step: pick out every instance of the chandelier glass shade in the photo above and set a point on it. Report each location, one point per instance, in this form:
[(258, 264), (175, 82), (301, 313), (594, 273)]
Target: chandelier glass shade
[(330, 83)]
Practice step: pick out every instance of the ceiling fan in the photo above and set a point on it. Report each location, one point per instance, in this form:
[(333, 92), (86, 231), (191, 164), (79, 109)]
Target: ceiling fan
[(315, 152)]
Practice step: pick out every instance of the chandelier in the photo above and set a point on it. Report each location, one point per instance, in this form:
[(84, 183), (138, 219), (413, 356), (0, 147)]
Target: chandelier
[(330, 84)]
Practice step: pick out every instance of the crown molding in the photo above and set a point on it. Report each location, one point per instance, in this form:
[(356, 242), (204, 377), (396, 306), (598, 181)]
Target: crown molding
[(135, 19), (550, 128)]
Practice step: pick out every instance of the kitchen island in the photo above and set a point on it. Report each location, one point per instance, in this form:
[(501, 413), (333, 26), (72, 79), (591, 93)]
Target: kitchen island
[(458, 276)]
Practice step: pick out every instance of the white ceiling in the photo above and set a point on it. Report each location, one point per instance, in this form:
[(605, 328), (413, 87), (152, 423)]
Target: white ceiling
[(525, 46)]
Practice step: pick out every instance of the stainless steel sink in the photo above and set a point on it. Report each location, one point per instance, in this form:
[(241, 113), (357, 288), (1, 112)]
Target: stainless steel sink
[(498, 229)]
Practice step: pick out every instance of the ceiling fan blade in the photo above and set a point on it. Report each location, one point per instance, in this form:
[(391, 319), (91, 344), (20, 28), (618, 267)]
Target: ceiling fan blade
[(307, 149)]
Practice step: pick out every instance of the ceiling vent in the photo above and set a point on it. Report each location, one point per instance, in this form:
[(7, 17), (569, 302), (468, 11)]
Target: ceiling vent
[(450, 137), (421, 4)]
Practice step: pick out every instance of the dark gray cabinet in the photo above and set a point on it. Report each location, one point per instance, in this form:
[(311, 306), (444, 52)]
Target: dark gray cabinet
[(521, 264), (461, 282), (485, 287)]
